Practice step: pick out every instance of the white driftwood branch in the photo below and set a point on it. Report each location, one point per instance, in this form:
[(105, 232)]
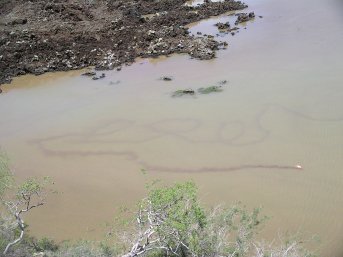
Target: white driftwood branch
[(14, 208)]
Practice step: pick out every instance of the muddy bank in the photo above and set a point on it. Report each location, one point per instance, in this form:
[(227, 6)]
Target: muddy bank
[(40, 36)]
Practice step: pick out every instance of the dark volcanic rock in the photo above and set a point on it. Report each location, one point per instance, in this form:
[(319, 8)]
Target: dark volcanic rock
[(166, 78), (222, 26), (244, 17), (61, 35), (89, 74)]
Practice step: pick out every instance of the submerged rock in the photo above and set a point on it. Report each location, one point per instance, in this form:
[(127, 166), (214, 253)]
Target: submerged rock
[(166, 78), (244, 17), (183, 92), (223, 82), (114, 82), (210, 89), (103, 75), (223, 26), (89, 74)]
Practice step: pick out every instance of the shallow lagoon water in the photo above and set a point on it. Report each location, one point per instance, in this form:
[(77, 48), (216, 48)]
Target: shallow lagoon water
[(282, 106)]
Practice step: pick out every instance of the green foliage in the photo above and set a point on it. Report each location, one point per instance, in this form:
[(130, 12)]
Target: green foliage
[(179, 226), (184, 214), (3, 243), (45, 244), (171, 222), (6, 177), (84, 249), (6, 182), (108, 249), (16, 201), (32, 187), (29, 187)]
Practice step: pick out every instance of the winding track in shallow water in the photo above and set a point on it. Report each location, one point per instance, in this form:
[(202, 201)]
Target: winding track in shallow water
[(219, 169), (163, 128), (130, 155)]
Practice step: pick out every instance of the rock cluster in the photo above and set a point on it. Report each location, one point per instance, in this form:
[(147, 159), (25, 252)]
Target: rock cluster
[(244, 17), (37, 37), (223, 26)]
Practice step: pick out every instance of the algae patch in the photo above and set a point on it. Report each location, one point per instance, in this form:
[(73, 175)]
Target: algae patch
[(210, 89), (182, 92), (203, 90)]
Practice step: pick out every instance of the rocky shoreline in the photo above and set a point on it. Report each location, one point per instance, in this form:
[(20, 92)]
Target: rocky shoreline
[(39, 36)]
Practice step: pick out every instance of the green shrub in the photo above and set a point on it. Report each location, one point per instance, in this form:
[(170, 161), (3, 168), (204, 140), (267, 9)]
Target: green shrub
[(171, 222), (45, 244), (6, 177), (82, 249)]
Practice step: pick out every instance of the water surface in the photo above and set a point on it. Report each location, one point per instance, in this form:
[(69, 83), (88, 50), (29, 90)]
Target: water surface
[(282, 106)]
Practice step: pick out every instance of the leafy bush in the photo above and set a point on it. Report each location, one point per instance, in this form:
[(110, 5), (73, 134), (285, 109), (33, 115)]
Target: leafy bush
[(15, 201), (171, 222), (45, 244), (84, 249), (6, 177)]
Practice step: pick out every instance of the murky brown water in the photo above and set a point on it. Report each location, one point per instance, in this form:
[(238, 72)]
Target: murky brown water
[(282, 107)]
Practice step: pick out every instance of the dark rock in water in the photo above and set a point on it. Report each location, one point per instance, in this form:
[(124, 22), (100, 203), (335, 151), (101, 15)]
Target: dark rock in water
[(222, 82), (103, 75), (204, 48), (182, 92), (233, 29), (114, 82), (222, 26), (38, 71), (0, 90), (89, 74), (166, 78), (244, 17)]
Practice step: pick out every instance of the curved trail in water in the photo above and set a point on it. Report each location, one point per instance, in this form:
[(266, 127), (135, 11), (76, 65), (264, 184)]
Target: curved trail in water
[(219, 169), (133, 156), (178, 128), (130, 155)]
